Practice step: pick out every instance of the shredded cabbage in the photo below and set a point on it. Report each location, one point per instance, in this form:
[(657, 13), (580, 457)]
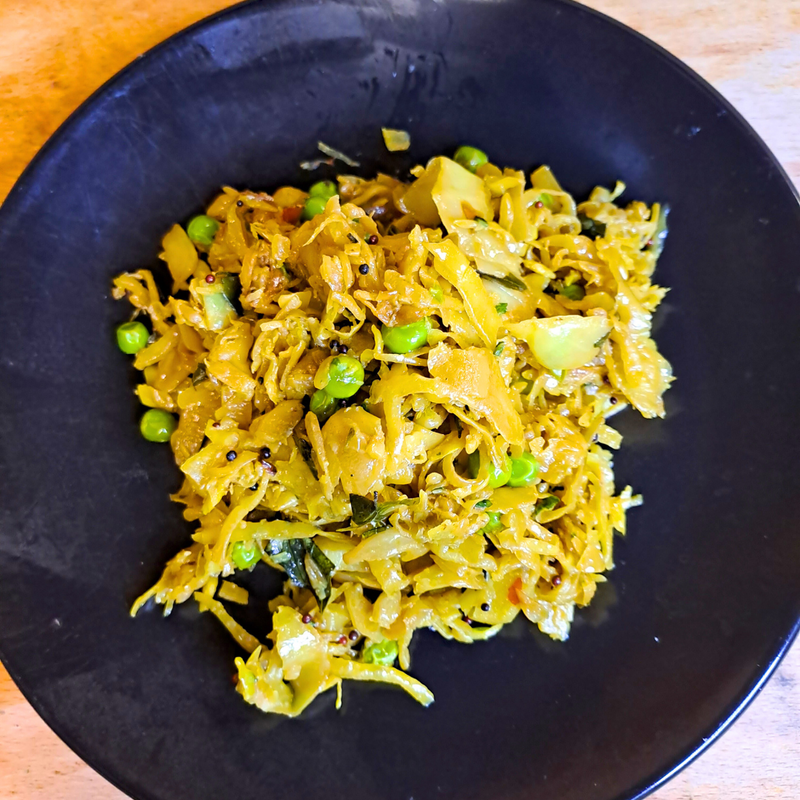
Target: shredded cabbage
[(539, 312)]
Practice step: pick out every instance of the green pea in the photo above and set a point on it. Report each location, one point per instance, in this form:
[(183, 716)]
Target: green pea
[(494, 524), (383, 653), (523, 470), (499, 478), (496, 477), (405, 338), (326, 189), (244, 554), (132, 337), (202, 229), (157, 425), (470, 157), (322, 404), (573, 292), (345, 377), (313, 206)]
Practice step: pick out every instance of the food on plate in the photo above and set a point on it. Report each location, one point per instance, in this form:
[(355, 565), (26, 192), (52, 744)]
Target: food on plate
[(397, 394)]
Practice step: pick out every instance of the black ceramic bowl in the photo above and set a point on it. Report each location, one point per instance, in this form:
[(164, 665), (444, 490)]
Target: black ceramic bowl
[(706, 594)]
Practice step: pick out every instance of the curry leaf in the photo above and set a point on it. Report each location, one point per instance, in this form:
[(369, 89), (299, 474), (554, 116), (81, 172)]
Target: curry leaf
[(319, 569), (364, 509), (288, 554), (306, 451), (591, 227), (509, 281), (199, 375)]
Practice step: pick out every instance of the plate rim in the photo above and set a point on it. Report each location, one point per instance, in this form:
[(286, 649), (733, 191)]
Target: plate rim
[(659, 777)]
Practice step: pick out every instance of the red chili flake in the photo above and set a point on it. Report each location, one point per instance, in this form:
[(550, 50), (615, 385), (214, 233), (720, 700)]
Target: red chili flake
[(539, 204), (649, 243), (210, 278), (372, 239), (306, 618), (342, 640), (292, 214), (556, 580), (235, 678), (513, 592)]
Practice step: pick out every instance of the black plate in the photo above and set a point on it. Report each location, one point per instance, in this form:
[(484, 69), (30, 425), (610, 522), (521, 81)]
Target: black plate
[(706, 595)]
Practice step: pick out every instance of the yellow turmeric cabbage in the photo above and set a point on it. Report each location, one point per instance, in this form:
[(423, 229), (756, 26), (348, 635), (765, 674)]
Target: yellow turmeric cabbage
[(465, 478)]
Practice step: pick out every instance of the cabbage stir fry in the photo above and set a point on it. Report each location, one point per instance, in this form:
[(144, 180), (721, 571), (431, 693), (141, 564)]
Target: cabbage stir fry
[(398, 395)]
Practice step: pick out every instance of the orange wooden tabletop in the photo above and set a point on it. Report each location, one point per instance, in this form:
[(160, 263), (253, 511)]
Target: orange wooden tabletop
[(54, 54)]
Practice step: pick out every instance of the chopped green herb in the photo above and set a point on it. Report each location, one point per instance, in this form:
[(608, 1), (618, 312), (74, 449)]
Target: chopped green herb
[(483, 504), (494, 524), (501, 308), (480, 222), (547, 503), (383, 653), (499, 348), (572, 292), (547, 200)]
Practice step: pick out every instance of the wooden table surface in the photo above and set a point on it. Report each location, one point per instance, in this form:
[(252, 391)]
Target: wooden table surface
[(54, 54)]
